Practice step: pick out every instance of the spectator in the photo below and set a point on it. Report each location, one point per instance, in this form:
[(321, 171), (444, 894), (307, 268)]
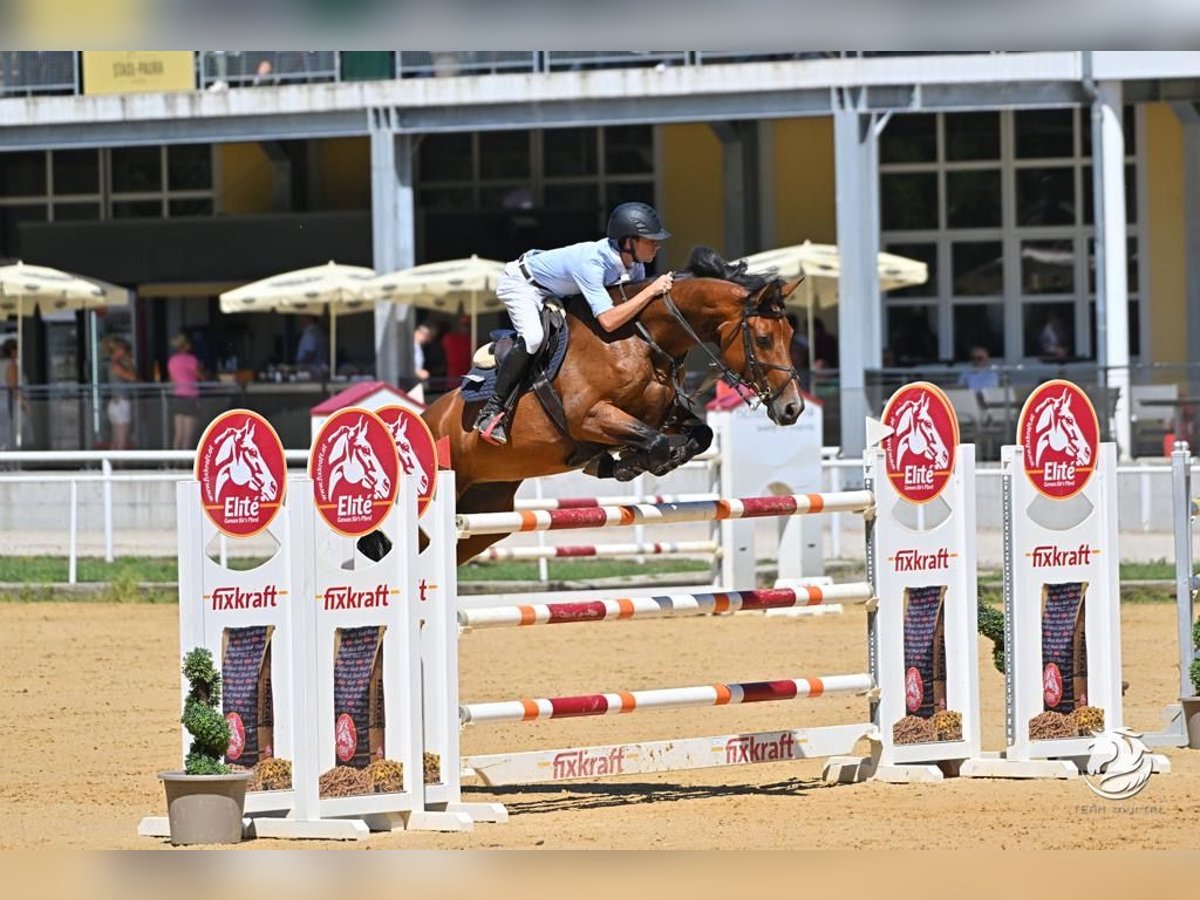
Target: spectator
[(185, 373), (457, 349), (981, 374), (121, 378), (312, 352), (1053, 339), (422, 342), (10, 396), (264, 74)]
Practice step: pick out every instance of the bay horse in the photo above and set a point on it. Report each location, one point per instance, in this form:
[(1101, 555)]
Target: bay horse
[(619, 389)]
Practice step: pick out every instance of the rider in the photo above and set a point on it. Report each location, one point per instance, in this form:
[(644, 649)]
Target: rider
[(635, 233)]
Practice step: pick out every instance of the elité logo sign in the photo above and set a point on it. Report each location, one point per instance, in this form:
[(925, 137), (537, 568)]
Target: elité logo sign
[(919, 454), (1059, 436), (353, 468), (242, 473), (415, 449)]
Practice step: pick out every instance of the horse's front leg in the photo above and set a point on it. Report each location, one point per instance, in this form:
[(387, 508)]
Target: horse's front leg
[(606, 424), (691, 438)]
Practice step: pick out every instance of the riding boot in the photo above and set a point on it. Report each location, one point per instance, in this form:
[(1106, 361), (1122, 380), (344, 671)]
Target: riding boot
[(491, 422)]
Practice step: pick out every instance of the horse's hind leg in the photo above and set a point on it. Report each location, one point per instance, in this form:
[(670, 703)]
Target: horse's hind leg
[(492, 496)]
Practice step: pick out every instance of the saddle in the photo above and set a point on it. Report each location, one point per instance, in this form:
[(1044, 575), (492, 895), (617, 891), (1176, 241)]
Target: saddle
[(479, 383)]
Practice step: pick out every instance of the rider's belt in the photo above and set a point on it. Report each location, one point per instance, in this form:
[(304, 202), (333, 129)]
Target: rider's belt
[(525, 274)]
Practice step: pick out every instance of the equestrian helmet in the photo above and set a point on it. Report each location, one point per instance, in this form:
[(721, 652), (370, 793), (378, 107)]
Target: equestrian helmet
[(636, 220)]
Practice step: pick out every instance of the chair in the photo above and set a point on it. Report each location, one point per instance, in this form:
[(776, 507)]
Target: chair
[(1150, 424)]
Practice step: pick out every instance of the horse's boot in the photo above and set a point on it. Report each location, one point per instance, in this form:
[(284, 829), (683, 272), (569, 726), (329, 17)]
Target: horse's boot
[(491, 422), (374, 546)]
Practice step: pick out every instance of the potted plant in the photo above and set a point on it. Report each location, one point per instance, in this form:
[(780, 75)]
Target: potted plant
[(1191, 705), (205, 802)]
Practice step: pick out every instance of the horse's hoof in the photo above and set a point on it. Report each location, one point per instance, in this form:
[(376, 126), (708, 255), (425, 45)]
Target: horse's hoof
[(374, 546)]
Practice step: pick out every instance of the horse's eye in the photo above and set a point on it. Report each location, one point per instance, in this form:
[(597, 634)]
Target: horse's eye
[(764, 341)]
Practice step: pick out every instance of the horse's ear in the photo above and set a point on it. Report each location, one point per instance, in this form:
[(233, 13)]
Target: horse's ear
[(789, 288), (226, 449), (1066, 400)]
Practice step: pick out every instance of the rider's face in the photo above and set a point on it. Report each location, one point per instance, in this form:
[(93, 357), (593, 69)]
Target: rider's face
[(645, 249)]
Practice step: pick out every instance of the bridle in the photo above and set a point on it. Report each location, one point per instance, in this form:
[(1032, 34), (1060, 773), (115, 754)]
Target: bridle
[(758, 382)]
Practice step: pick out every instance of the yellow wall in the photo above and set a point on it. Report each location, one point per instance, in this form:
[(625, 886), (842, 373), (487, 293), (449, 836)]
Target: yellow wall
[(691, 190), (1165, 235), (344, 174), (805, 203), (244, 185)]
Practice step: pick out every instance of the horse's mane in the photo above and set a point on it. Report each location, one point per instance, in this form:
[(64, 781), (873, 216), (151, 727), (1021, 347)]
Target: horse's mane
[(705, 262)]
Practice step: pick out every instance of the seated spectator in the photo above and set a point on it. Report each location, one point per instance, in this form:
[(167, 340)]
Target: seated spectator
[(981, 374)]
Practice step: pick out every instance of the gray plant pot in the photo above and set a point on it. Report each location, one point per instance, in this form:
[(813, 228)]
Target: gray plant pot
[(205, 809), (1191, 718)]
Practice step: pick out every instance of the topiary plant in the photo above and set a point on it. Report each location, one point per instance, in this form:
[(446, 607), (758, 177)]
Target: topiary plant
[(991, 625), (1194, 671), (202, 715)]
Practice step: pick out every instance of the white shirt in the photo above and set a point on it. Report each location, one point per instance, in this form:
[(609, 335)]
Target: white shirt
[(586, 268)]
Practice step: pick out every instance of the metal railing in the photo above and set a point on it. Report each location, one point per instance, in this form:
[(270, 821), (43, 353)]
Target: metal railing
[(27, 73), (267, 68)]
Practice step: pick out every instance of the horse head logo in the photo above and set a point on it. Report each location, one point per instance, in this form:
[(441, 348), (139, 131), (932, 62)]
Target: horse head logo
[(917, 433), (352, 459), (239, 461), (1122, 761), (1057, 429), (408, 457)]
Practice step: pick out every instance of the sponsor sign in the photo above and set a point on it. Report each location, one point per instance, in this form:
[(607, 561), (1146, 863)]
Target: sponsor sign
[(919, 453), (1059, 435), (353, 466), (415, 449), (138, 71), (242, 473)]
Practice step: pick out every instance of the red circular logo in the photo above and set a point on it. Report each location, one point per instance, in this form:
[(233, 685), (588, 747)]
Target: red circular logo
[(345, 737), (914, 689), (919, 453), (1052, 685), (353, 467), (1059, 435), (415, 449), (242, 472), (237, 736)]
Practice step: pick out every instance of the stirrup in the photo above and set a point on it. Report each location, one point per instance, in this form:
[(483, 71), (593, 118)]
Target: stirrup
[(494, 431)]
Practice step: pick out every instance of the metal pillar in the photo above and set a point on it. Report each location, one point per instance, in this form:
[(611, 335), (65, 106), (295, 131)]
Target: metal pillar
[(740, 182), (393, 231), (1189, 118), (1112, 285), (860, 313)]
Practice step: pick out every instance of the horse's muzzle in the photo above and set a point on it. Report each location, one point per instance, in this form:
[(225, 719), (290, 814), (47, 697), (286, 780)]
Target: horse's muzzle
[(786, 413)]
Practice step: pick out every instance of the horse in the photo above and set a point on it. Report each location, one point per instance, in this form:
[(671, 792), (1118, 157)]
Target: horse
[(408, 457), (619, 390), (1057, 429), (918, 434), (352, 459), (241, 462)]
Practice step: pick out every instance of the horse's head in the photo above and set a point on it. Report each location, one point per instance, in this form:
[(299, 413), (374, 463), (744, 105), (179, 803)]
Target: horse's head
[(353, 459), (1121, 760), (241, 462), (916, 433), (408, 457), (1058, 429)]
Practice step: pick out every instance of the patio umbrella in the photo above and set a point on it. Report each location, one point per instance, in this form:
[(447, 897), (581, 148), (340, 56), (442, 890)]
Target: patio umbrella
[(450, 285), (26, 288), (821, 267), (338, 288)]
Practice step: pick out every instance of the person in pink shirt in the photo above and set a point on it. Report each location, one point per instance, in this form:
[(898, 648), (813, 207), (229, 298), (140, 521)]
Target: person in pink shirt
[(185, 373)]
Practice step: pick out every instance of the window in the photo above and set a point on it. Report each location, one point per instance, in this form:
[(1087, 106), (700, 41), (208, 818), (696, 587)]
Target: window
[(1000, 207)]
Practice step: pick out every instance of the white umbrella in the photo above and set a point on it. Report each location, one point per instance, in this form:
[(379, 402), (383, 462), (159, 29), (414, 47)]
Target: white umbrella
[(821, 267), (338, 288), (468, 284), (25, 288)]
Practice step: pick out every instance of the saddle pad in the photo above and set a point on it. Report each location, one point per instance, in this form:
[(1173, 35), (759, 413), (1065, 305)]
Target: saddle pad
[(478, 384)]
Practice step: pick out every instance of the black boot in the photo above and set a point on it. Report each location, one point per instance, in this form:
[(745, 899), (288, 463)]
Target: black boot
[(491, 421)]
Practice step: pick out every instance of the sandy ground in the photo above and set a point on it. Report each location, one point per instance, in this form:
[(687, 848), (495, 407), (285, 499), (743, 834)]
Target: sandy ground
[(89, 704)]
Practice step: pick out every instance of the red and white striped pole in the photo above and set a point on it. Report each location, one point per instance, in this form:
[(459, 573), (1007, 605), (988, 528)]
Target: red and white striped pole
[(619, 500), (492, 554), (666, 513), (664, 606), (528, 710)]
